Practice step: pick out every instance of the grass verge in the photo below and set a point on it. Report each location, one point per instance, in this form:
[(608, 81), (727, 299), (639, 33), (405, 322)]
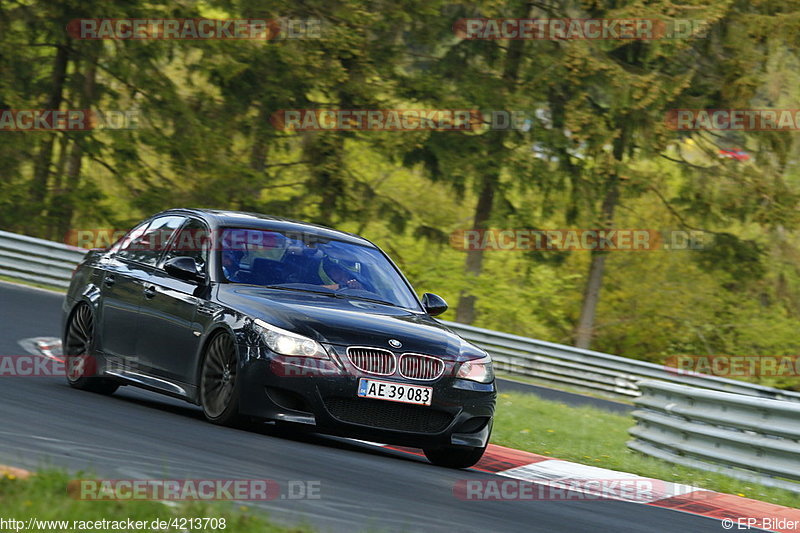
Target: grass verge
[(44, 497), (594, 437), (15, 281), (563, 387)]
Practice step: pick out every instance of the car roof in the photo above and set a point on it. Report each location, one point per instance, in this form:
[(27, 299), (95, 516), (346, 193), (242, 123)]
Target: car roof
[(217, 218)]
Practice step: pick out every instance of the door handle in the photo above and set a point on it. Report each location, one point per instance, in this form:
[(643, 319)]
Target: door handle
[(109, 280), (149, 292)]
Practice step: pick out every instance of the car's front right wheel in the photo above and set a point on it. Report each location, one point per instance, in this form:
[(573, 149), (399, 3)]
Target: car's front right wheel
[(454, 456)]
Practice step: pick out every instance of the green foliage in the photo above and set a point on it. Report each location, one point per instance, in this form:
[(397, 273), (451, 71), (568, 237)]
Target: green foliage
[(597, 137)]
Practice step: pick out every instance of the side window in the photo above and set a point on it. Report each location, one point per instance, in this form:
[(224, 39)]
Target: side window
[(193, 240), (146, 245), (132, 234)]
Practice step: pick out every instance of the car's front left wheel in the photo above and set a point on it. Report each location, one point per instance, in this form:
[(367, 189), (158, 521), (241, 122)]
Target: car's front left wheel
[(81, 365), (219, 384)]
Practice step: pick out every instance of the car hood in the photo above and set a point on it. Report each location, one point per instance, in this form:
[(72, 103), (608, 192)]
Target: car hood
[(347, 322)]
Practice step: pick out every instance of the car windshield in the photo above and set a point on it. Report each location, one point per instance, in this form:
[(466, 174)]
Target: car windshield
[(310, 263)]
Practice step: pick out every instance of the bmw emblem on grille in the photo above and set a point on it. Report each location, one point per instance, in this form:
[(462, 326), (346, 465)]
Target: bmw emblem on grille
[(394, 343)]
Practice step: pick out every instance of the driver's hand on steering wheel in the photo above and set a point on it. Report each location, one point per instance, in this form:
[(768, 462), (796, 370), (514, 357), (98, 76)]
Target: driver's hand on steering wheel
[(349, 284), (352, 284)]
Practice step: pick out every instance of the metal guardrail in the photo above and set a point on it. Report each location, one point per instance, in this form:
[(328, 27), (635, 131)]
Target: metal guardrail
[(753, 439), (30, 259), (51, 263), (598, 371)]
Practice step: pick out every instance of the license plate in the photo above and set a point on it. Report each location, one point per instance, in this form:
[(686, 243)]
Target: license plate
[(394, 392)]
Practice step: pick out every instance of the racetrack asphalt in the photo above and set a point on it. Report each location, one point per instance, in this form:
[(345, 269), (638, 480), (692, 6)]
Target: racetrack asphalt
[(138, 434)]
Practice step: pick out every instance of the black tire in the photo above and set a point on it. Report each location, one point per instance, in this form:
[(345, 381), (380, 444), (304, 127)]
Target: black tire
[(81, 365), (219, 386), (454, 456)]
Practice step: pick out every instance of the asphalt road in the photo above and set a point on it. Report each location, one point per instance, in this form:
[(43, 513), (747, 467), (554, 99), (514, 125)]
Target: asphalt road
[(137, 434)]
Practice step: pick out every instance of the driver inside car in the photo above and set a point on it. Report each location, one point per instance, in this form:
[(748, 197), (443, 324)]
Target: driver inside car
[(230, 264), (339, 277)]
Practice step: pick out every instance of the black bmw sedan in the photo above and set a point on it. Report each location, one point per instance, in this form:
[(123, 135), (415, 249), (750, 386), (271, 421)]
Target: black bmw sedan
[(262, 318)]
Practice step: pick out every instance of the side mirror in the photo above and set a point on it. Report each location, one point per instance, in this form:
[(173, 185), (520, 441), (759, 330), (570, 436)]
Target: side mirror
[(434, 305), (184, 268)]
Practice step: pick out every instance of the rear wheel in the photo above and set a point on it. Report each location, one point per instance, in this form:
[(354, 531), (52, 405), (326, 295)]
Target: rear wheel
[(81, 366), (454, 456), (219, 387)]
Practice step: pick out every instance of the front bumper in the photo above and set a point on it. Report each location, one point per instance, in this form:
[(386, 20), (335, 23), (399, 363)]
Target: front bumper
[(322, 395)]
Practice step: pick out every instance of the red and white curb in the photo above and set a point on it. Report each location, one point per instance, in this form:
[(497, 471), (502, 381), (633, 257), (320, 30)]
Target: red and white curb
[(49, 347), (731, 509)]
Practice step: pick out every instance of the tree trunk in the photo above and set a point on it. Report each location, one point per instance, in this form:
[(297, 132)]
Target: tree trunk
[(65, 207), (324, 152), (473, 265), (465, 312), (594, 280), (37, 191), (258, 152), (249, 201), (58, 186), (584, 331)]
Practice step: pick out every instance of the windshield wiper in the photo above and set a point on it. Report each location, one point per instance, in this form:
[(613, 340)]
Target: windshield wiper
[(373, 300), (330, 294), (295, 289)]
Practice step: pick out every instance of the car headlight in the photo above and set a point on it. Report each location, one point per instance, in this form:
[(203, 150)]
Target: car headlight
[(479, 370), (287, 343)]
